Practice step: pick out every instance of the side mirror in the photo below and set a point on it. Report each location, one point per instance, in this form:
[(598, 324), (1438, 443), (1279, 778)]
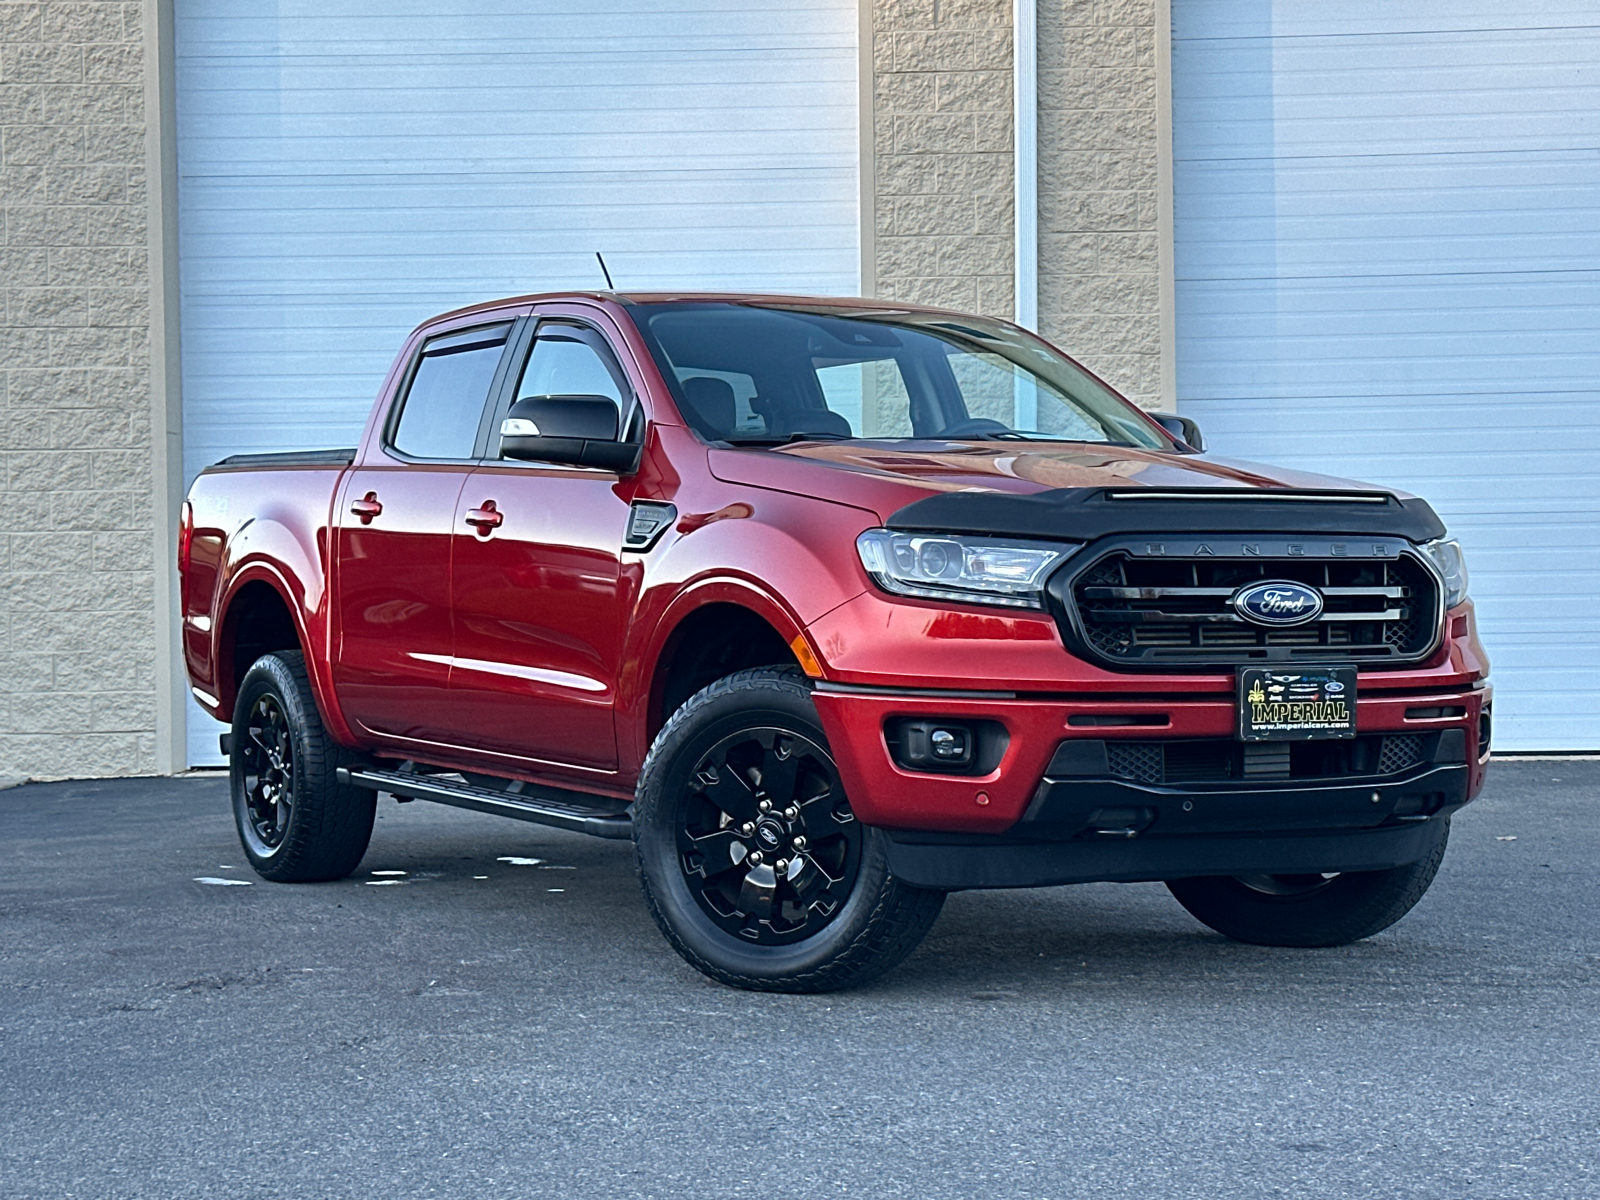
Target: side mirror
[(574, 430), (1182, 428)]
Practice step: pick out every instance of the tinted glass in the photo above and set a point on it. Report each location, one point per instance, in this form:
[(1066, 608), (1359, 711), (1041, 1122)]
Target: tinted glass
[(449, 388), (790, 372), (569, 361)]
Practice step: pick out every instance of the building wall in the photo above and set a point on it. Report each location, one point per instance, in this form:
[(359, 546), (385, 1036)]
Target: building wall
[(77, 583), (941, 152), (941, 171), (1099, 173)]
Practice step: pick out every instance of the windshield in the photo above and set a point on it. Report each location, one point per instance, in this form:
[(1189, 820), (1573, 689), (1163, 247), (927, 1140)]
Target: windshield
[(751, 374)]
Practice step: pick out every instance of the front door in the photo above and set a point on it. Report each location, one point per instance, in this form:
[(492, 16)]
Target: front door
[(397, 512), (538, 589)]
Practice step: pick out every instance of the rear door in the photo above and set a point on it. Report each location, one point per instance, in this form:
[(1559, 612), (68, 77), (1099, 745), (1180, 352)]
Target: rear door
[(539, 598), (392, 665)]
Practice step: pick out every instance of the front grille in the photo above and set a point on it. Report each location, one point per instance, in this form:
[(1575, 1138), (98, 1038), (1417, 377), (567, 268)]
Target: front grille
[(1133, 610), (1217, 760)]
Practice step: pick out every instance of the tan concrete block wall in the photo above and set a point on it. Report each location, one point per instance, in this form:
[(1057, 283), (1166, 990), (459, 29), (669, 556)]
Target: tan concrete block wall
[(1099, 280), (77, 637), (942, 171), (942, 152)]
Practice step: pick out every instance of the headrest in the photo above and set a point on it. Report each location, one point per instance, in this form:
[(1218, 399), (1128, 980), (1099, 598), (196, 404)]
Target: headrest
[(711, 405)]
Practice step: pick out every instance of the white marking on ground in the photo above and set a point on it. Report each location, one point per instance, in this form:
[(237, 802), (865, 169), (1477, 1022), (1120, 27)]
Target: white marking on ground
[(555, 889), (386, 883), (386, 872), (519, 862), (215, 882)]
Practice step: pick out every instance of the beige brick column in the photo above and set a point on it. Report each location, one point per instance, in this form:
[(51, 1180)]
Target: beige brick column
[(77, 580), (940, 187), (941, 152), (1099, 172)]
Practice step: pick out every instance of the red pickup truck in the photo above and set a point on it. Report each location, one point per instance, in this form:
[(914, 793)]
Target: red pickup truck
[(833, 607)]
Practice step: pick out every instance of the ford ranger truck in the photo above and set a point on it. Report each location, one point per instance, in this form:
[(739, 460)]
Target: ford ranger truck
[(833, 607)]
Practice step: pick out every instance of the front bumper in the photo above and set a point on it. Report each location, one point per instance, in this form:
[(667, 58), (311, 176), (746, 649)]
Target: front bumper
[(952, 862), (1003, 801), (1051, 812)]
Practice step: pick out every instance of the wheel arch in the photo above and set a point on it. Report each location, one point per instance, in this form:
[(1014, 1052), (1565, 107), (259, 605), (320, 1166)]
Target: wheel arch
[(258, 617), (728, 629)]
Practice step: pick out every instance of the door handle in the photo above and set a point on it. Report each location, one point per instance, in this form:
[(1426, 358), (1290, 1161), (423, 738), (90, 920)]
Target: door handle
[(486, 518), (367, 507)]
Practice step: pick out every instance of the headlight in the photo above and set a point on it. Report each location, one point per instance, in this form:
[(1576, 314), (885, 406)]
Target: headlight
[(943, 566), (1446, 556)]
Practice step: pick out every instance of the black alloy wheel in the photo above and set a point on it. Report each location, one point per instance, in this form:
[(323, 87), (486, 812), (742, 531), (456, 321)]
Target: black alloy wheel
[(267, 765), (751, 860), (767, 842), (296, 821)]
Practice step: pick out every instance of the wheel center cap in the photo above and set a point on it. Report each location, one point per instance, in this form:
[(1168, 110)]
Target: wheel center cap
[(770, 834)]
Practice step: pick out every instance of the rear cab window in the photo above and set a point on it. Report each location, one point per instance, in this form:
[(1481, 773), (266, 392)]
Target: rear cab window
[(442, 410)]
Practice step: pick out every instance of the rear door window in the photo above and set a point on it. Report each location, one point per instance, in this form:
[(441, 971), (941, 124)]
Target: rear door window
[(444, 405)]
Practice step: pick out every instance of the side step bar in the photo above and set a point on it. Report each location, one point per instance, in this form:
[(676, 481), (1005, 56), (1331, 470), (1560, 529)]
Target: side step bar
[(523, 807)]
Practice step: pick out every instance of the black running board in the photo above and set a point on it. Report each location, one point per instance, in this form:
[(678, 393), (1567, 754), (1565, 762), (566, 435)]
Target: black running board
[(522, 807)]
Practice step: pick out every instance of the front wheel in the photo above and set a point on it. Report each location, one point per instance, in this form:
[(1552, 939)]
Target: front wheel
[(751, 860), (1308, 910)]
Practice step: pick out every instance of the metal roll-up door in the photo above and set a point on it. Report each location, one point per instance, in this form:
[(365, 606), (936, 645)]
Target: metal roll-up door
[(1388, 267), (348, 168)]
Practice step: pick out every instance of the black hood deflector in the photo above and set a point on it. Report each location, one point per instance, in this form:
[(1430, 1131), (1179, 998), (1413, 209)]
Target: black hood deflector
[(1083, 514)]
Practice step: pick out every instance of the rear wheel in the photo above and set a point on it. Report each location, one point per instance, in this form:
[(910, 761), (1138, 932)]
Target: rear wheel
[(296, 821), (751, 859), (1308, 910)]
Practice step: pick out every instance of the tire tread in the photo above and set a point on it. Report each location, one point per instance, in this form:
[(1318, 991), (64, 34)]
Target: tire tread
[(332, 822)]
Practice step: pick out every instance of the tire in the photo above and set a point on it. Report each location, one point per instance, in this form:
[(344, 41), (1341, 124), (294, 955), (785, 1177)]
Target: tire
[(835, 920), (296, 821), (1308, 910)]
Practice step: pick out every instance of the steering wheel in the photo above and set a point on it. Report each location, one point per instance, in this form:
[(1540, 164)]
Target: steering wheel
[(974, 425)]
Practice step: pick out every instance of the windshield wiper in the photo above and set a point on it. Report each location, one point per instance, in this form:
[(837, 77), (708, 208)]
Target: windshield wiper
[(1016, 435), (769, 440)]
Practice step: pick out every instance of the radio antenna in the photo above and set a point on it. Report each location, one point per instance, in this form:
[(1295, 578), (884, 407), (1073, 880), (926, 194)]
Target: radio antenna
[(609, 285)]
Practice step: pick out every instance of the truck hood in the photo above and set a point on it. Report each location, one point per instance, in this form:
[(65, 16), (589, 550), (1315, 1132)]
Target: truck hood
[(893, 474), (1023, 488)]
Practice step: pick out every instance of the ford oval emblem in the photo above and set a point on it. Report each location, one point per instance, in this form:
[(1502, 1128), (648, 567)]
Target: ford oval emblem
[(1278, 602)]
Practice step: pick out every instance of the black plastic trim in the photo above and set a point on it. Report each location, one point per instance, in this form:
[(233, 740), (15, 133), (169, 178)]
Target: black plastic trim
[(292, 458), (959, 862), (1059, 601), (1080, 514), (637, 544), (523, 806), (1064, 806)]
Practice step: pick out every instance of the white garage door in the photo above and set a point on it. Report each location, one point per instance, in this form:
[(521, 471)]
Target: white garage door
[(1388, 267), (350, 167)]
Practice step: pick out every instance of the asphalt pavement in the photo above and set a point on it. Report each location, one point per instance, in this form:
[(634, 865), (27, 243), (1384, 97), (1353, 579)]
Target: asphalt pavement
[(486, 1010)]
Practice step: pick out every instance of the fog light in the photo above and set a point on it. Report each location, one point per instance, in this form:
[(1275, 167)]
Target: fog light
[(934, 745), (951, 745)]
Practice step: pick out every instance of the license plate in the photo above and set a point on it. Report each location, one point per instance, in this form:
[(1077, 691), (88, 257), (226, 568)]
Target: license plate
[(1296, 705)]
